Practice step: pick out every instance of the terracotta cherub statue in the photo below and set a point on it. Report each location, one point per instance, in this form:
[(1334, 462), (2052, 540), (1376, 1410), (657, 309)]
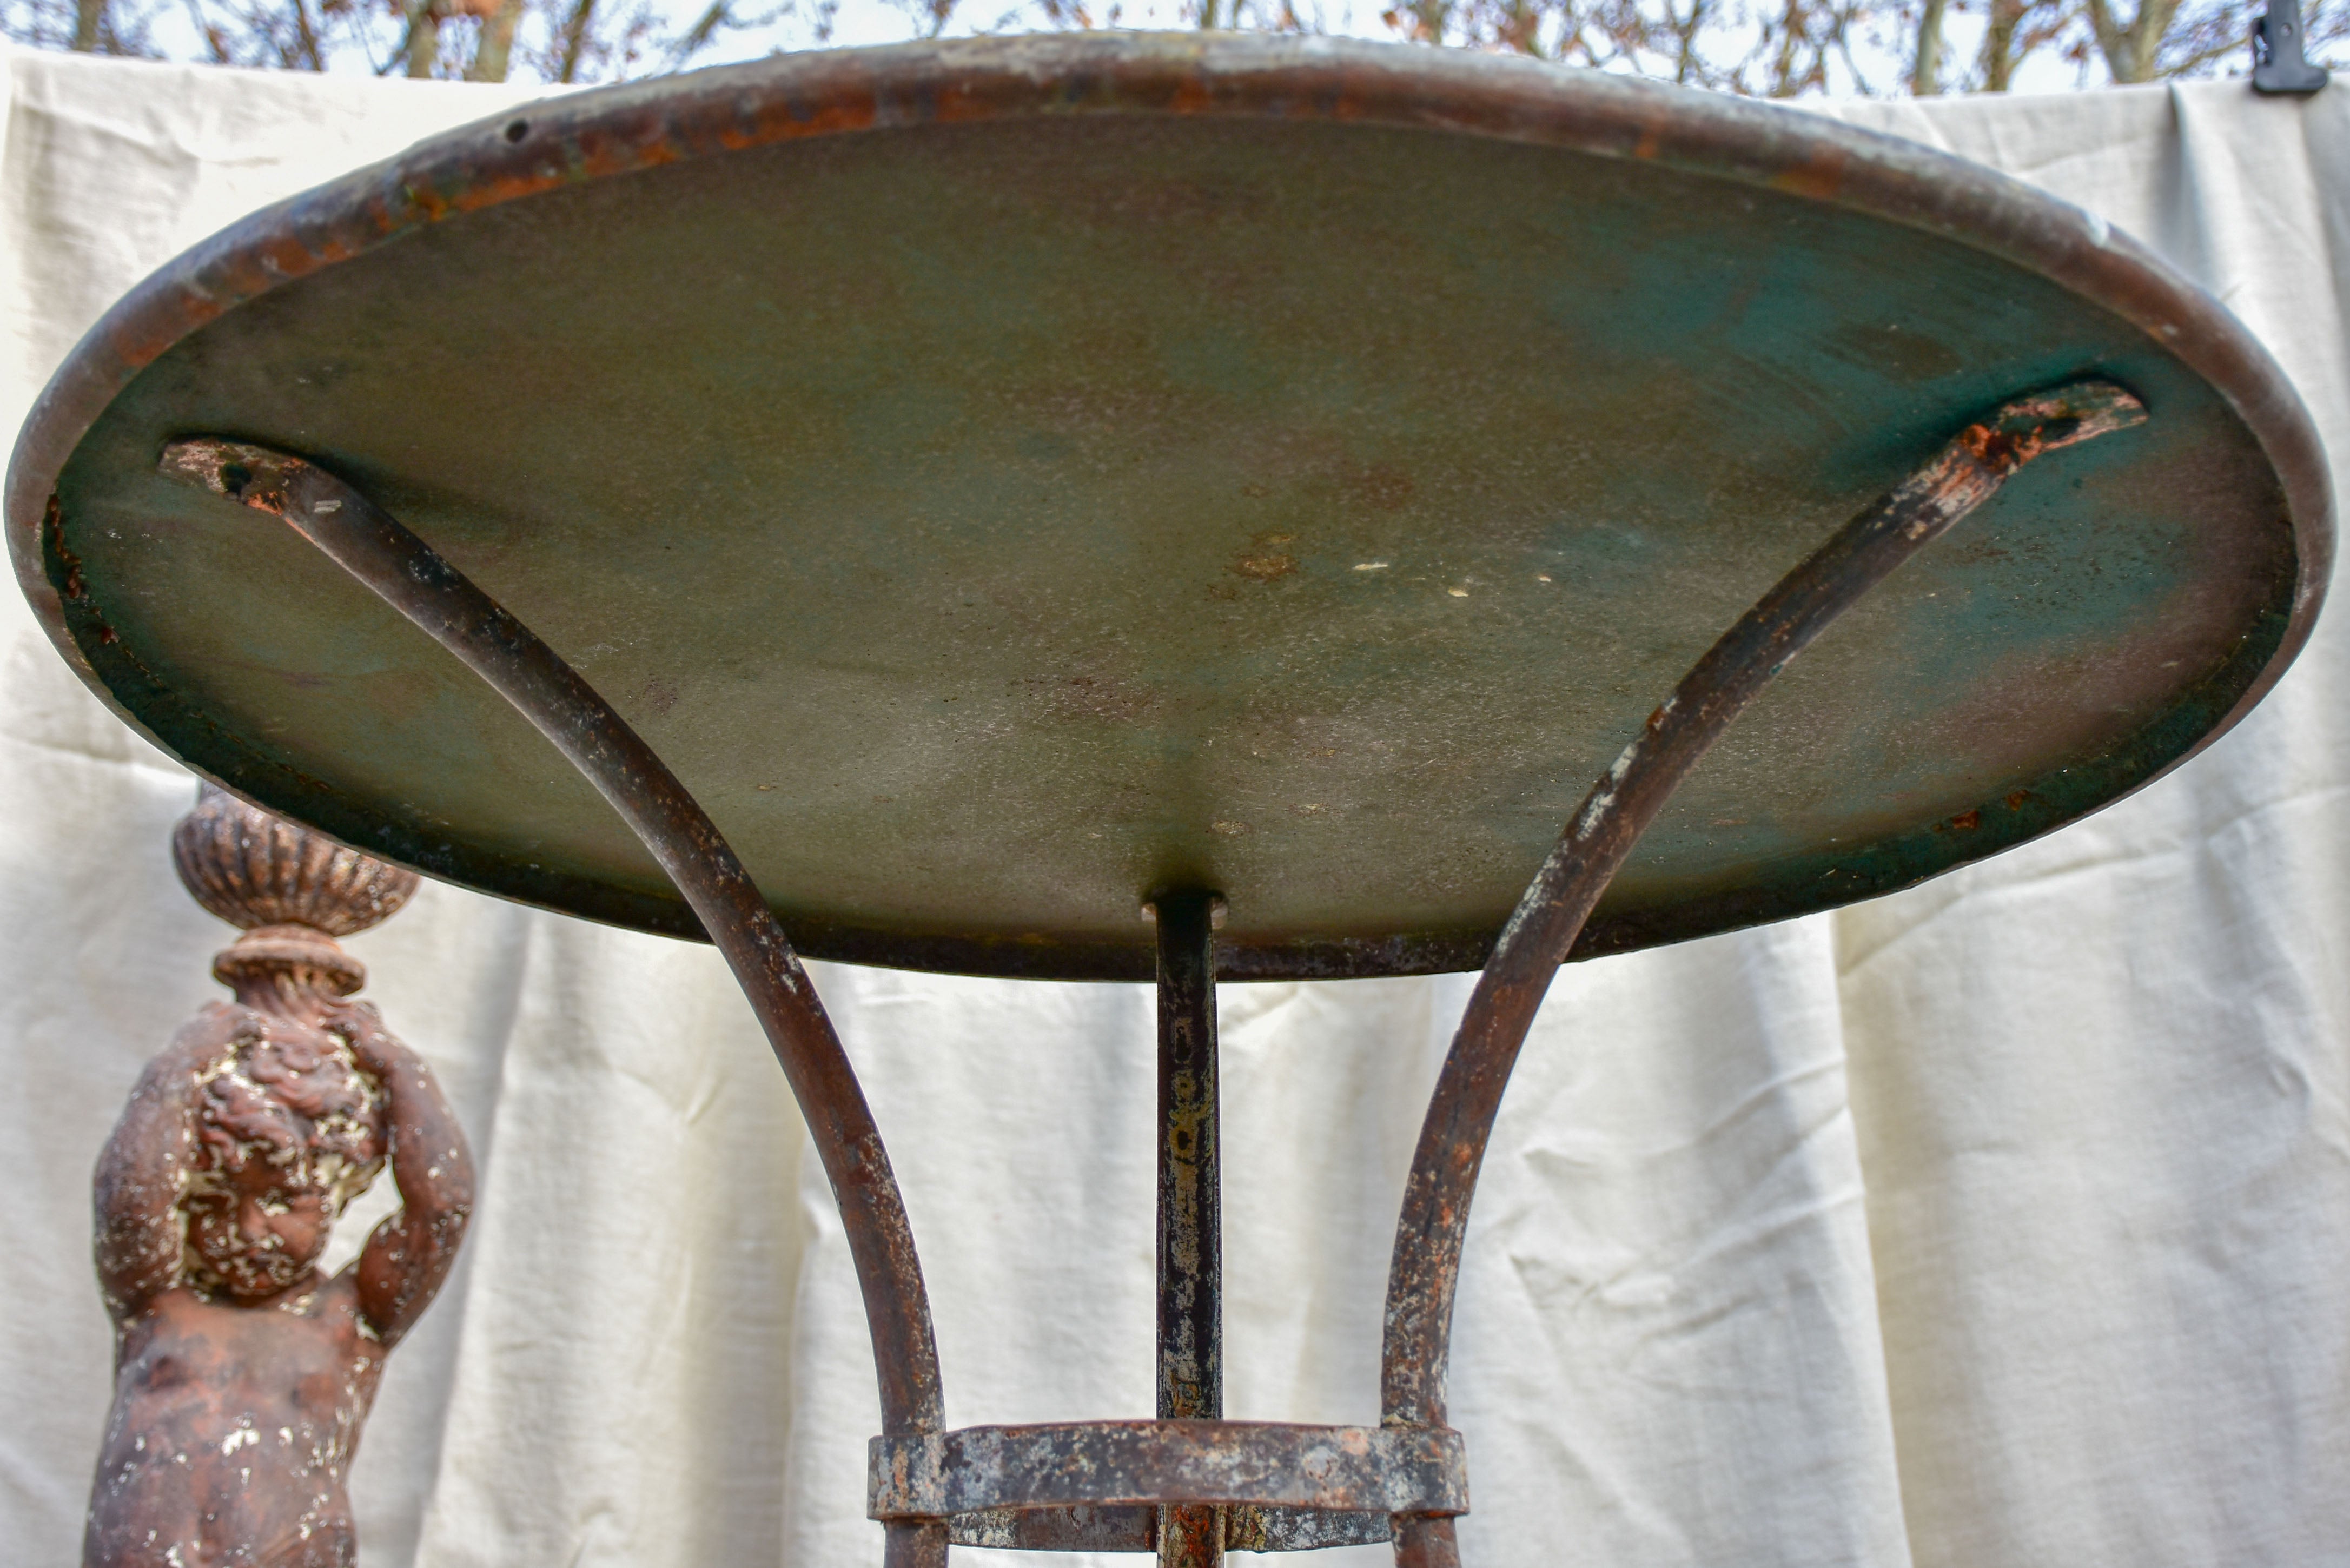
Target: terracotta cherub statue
[(242, 1374)]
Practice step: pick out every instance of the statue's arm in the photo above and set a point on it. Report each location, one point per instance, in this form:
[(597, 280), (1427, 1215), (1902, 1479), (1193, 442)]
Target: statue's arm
[(411, 1253), (137, 1187)]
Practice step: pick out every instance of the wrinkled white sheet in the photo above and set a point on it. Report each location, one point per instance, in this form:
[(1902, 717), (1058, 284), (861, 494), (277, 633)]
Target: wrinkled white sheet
[(2002, 1223)]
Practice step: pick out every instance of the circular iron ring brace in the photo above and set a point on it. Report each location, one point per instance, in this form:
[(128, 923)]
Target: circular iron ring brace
[(1102, 1485)]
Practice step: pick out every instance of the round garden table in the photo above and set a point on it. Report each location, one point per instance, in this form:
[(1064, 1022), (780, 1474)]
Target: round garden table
[(1103, 506)]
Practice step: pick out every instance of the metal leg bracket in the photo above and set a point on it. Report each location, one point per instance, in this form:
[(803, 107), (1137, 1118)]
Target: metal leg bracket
[(1097, 1486)]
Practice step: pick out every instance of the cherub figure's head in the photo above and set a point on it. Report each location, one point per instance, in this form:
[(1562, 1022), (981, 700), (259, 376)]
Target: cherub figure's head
[(288, 1131)]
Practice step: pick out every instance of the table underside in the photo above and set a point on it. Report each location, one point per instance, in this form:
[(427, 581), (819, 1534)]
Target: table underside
[(1006, 519)]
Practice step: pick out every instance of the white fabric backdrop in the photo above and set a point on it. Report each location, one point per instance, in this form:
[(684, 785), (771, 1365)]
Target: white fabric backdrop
[(2003, 1222)]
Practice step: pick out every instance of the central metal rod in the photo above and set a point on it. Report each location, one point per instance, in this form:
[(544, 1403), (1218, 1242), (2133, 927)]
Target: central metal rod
[(1190, 1207)]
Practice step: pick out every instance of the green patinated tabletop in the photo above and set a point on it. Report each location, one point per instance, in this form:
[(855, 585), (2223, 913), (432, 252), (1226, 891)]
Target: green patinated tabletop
[(1284, 467)]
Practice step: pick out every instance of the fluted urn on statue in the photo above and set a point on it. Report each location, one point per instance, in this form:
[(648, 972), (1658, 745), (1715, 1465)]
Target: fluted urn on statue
[(291, 891), (243, 1373)]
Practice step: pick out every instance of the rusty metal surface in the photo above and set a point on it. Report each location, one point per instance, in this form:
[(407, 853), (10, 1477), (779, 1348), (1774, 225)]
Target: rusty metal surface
[(377, 550), (1252, 1527), (1601, 834), (1248, 1527), (1191, 1266), (1423, 1543), (1079, 1528), (915, 1543), (1048, 469), (1387, 1469)]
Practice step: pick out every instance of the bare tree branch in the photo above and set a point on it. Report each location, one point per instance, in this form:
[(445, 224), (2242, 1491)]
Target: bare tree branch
[(1777, 48)]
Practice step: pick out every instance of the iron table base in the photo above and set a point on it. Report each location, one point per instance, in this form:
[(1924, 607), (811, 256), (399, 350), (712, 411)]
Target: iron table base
[(1189, 1485)]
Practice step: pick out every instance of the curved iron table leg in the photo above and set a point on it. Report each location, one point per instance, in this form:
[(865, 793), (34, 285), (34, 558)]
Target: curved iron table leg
[(918, 1468), (378, 550), (1426, 1268)]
